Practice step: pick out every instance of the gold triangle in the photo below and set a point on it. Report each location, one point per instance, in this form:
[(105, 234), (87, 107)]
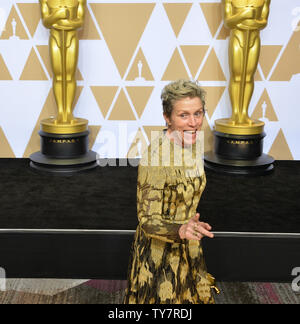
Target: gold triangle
[(89, 30), (4, 73), (49, 109), (224, 33), (270, 112), (8, 30), (213, 15), (122, 38), (152, 131), (257, 76), (280, 149), (146, 73), (194, 55), (213, 96), (268, 56), (5, 149), (122, 109), (175, 69), (286, 66), (138, 146), (208, 136), (45, 55), (31, 13), (94, 131), (104, 97), (78, 75), (33, 69), (177, 13), (139, 97), (212, 70)]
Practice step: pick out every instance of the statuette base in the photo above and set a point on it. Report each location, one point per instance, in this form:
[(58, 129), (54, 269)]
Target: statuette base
[(239, 154), (64, 154)]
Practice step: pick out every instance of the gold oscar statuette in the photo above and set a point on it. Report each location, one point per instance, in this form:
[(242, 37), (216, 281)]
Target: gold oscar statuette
[(238, 140), (245, 19), (63, 18), (64, 138)]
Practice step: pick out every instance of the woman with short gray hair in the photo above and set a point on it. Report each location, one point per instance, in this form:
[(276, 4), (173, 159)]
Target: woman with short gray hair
[(167, 264)]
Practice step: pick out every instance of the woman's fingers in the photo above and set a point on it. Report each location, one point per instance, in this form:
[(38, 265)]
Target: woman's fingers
[(203, 229), (195, 230), (196, 217), (205, 225), (192, 234), (207, 233)]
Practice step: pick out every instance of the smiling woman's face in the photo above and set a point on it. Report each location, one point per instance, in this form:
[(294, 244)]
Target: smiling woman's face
[(185, 120)]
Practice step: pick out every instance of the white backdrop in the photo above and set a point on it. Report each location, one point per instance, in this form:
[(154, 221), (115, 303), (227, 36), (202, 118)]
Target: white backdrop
[(120, 96)]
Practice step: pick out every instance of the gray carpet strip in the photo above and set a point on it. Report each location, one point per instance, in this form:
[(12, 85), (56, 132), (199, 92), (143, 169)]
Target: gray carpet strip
[(30, 291)]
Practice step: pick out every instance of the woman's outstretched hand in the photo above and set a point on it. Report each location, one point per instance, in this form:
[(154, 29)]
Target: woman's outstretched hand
[(195, 230)]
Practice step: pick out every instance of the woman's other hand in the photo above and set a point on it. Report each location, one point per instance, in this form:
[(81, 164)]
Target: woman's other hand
[(195, 230)]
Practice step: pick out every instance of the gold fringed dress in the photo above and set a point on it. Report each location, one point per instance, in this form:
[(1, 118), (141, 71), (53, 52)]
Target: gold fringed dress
[(163, 268)]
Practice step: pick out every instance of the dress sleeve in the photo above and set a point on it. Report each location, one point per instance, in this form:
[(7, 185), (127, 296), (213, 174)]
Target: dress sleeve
[(150, 199)]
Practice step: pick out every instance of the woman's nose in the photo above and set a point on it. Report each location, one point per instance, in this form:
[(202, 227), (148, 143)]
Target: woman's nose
[(192, 121)]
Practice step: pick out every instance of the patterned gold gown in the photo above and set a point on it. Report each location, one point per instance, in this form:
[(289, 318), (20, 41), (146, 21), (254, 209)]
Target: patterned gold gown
[(164, 269)]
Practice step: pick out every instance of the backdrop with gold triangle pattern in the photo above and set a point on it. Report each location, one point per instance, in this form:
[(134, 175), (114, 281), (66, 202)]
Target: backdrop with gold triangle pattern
[(128, 51)]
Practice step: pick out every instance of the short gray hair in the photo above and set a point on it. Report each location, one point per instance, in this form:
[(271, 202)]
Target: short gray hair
[(180, 89)]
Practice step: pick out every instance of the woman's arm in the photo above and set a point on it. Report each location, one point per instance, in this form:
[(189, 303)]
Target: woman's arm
[(151, 181), (150, 200)]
